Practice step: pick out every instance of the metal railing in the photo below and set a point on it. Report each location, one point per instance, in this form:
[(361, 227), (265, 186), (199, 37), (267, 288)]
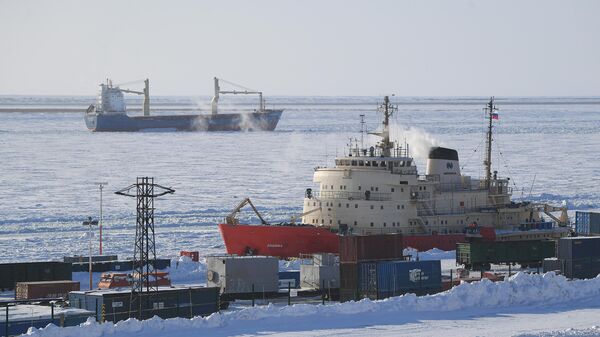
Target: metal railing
[(367, 195)]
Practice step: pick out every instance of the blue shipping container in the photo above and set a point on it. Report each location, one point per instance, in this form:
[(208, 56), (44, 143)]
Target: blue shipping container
[(587, 222), (383, 279), (291, 278)]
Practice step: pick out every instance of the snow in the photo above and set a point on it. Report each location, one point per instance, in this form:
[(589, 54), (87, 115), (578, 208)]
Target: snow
[(521, 294)]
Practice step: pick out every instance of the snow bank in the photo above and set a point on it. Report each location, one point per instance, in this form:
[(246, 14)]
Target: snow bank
[(521, 289), (184, 270), (432, 254)]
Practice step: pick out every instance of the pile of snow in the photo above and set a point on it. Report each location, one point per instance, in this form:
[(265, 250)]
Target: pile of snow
[(432, 254), (184, 270), (520, 289)]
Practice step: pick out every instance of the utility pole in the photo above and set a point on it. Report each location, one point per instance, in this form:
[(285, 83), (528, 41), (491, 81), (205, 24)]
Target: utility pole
[(144, 253), (101, 186), (90, 223)]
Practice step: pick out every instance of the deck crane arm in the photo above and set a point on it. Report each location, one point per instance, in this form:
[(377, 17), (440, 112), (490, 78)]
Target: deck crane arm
[(564, 217), (145, 92), (246, 91), (293, 218), (231, 218)]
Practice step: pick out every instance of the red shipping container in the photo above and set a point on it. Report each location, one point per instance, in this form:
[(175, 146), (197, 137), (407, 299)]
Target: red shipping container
[(45, 289), (357, 248), (195, 256)]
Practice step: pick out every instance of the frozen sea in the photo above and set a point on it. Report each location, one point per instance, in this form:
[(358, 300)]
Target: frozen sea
[(549, 146)]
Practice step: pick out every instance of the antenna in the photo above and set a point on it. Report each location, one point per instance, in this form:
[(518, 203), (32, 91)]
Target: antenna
[(362, 130), (489, 110)]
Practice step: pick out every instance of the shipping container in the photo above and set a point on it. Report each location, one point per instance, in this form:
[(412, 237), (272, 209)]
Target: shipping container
[(587, 223), (23, 316), (194, 255), (481, 254), (552, 264), (573, 248), (359, 248), (11, 273), (242, 274), (323, 259), (45, 289), (118, 265), (95, 258), (314, 276), (290, 279), (580, 269), (114, 306), (382, 279)]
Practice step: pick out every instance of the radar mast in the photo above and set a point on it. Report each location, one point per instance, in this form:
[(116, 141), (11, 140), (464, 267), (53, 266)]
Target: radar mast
[(490, 114)]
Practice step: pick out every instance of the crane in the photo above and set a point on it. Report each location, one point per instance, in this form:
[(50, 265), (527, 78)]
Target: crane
[(246, 91), (231, 218), (293, 218), (564, 217), (145, 92)]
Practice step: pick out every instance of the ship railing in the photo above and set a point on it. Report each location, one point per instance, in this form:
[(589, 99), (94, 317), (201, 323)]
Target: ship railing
[(427, 212), (367, 195), (429, 177)]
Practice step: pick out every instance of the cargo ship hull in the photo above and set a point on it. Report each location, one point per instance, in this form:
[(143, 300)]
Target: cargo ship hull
[(254, 121), (287, 241)]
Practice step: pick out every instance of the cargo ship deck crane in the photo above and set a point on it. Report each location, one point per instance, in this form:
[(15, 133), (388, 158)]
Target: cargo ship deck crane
[(231, 218), (145, 92), (247, 91)]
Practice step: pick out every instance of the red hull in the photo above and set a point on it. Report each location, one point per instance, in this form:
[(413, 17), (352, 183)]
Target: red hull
[(291, 241)]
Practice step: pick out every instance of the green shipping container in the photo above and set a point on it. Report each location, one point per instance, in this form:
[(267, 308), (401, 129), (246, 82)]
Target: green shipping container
[(480, 254)]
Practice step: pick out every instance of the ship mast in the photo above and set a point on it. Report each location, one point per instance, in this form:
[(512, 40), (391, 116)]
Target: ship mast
[(489, 110), (388, 109)]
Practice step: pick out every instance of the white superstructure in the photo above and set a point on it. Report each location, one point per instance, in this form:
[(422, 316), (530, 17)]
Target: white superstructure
[(379, 190)]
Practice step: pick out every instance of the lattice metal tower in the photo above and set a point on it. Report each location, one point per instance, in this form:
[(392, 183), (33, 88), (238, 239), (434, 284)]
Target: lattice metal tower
[(144, 255)]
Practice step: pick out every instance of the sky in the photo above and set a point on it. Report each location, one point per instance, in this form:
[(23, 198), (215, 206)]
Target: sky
[(305, 47)]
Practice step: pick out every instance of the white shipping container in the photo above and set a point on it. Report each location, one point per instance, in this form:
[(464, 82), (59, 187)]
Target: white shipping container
[(237, 274)]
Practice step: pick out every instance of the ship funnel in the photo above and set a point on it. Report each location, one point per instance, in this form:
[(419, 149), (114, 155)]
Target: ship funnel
[(443, 162)]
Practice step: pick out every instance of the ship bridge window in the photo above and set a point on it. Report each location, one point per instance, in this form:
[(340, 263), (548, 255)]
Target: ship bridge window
[(354, 163), (367, 163), (361, 163), (383, 164), (408, 162), (402, 163), (375, 163), (359, 188)]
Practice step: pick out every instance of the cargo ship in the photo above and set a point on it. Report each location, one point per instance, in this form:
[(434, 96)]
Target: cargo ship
[(110, 114), (378, 190)]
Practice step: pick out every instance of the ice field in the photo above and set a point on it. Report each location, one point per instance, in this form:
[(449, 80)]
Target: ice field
[(50, 161), (548, 146)]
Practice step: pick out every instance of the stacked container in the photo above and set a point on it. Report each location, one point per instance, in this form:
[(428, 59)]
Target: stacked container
[(579, 257), (45, 289), (587, 223), (374, 267)]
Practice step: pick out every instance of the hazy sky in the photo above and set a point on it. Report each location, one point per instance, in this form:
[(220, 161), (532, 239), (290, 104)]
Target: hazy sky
[(423, 48)]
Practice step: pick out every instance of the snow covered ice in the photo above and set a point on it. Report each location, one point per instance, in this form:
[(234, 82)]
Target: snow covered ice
[(50, 162)]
